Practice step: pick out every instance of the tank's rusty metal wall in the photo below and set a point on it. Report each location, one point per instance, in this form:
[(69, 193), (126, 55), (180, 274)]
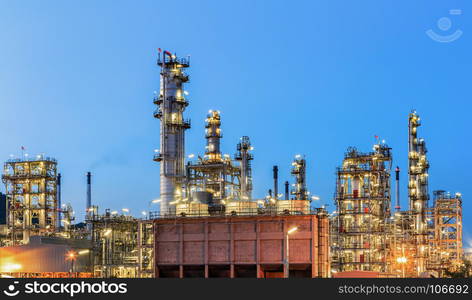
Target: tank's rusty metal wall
[(244, 245)]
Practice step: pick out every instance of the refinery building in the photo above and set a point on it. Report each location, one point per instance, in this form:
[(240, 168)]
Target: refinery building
[(211, 225)]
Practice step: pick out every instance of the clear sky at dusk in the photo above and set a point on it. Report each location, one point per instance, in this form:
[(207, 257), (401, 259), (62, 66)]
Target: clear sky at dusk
[(298, 77)]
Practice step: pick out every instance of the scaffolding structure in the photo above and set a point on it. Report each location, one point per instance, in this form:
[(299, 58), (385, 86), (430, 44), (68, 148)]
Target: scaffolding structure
[(362, 211), (31, 189), (447, 239), (244, 157), (215, 181), (122, 245), (299, 190)]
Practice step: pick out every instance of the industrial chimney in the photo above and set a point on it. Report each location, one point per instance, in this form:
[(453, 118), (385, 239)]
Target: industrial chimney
[(286, 190), (276, 182), (397, 194), (58, 197), (88, 204)]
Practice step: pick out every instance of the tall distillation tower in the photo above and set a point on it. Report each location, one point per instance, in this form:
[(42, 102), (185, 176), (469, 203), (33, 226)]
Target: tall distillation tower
[(418, 188), (172, 103), (299, 171), (245, 158)]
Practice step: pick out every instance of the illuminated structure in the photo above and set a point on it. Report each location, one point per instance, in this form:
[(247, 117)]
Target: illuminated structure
[(172, 103), (32, 197), (362, 211), (244, 157), (299, 190), (447, 243), (215, 181), (418, 166), (210, 225)]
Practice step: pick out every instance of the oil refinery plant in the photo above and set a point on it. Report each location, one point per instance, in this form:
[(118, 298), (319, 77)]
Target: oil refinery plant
[(210, 224)]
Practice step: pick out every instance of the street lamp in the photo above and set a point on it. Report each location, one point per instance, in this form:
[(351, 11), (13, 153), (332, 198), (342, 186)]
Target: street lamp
[(72, 256), (289, 232)]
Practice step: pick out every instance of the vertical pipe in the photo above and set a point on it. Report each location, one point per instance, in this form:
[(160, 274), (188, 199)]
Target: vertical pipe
[(397, 191), (59, 204), (88, 203), (276, 182), (286, 190)]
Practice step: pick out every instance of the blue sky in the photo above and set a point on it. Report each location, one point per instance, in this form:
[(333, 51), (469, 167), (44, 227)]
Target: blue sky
[(309, 77)]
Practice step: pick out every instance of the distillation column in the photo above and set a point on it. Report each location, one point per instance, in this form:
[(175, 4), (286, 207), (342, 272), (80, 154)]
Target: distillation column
[(418, 188), (213, 136), (172, 103), (299, 171), (245, 158)]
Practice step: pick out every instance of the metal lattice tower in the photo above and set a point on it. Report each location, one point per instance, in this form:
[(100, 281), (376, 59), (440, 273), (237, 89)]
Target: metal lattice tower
[(447, 229), (172, 103), (299, 171), (418, 166), (31, 189), (363, 210), (243, 155)]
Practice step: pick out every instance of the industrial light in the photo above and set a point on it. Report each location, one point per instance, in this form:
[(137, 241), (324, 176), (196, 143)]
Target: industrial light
[(315, 198), (125, 210), (191, 156), (402, 260), (156, 200), (82, 252), (143, 213), (10, 267), (107, 232), (71, 255), (292, 230)]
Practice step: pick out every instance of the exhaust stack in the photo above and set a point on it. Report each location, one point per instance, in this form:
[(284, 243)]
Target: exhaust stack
[(59, 205), (397, 187), (88, 204), (276, 182), (286, 190)]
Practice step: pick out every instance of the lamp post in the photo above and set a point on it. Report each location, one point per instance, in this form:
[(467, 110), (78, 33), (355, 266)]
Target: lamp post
[(286, 269), (72, 256)]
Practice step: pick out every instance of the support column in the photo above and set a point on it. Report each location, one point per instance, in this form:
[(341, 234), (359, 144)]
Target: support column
[(314, 246), (206, 247), (284, 251), (181, 251), (258, 251), (231, 249)]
